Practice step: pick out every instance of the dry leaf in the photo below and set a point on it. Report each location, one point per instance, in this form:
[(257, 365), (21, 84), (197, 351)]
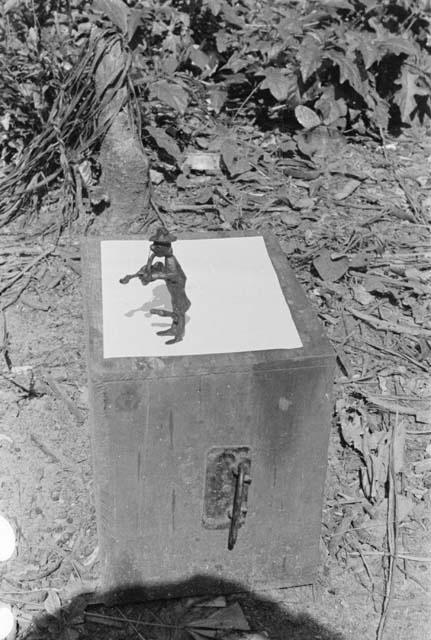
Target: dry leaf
[(230, 617), (52, 603), (329, 269), (204, 162), (361, 295), (220, 601), (405, 506), (423, 465), (348, 188), (398, 446), (290, 218), (307, 117)]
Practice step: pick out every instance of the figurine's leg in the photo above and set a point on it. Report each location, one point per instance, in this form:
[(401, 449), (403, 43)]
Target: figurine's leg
[(179, 329), (172, 331), (163, 312)]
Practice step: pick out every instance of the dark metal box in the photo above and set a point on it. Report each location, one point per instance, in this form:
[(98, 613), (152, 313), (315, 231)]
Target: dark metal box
[(168, 435)]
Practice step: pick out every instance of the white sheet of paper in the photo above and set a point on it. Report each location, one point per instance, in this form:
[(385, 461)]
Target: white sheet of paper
[(236, 300)]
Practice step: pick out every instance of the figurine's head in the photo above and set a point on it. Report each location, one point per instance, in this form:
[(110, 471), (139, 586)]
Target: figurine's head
[(161, 242), (161, 250)]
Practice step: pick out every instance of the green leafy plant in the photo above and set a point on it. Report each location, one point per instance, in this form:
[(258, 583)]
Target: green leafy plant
[(354, 66)]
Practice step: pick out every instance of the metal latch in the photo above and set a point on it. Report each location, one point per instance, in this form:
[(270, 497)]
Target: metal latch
[(226, 489)]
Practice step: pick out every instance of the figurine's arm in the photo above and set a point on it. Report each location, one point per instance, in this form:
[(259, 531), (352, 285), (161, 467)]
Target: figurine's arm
[(159, 272)]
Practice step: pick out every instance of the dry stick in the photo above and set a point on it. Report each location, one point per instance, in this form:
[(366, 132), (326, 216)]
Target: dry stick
[(60, 395), (44, 449), (418, 433), (383, 325), (392, 533), (140, 636), (403, 556), (32, 264), (100, 616), (397, 355), (398, 178)]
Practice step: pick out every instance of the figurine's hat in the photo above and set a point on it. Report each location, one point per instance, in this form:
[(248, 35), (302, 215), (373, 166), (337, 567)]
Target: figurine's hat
[(162, 236)]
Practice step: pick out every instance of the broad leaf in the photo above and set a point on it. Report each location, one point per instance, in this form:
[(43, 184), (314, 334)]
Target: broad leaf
[(398, 45), (233, 157), (307, 117), (165, 142), (217, 98), (405, 97), (309, 56), (349, 72), (199, 57), (171, 94), (330, 108), (215, 6), (229, 618), (116, 10), (279, 84), (10, 5)]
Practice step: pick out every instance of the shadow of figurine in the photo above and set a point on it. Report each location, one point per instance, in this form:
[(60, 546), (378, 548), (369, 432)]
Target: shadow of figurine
[(174, 277), (140, 612), (160, 297)]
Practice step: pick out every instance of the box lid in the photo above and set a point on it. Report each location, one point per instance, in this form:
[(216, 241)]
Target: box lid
[(247, 309)]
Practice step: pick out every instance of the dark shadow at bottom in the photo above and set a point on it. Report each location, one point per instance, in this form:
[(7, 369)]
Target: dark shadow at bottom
[(142, 613)]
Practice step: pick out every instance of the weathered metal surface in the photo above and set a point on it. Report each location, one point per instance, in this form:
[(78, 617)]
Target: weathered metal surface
[(220, 484)]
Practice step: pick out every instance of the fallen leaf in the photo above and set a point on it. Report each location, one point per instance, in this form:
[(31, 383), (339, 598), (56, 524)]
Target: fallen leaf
[(361, 295), (230, 617), (329, 269), (217, 98), (423, 465), (398, 446), (202, 161), (304, 203), (233, 158), (279, 83), (52, 603), (165, 142), (156, 177), (349, 187), (307, 117), (290, 219), (171, 94), (405, 506), (116, 10), (220, 601)]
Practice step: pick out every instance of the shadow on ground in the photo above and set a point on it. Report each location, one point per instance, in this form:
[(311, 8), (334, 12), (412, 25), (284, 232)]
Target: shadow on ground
[(143, 614)]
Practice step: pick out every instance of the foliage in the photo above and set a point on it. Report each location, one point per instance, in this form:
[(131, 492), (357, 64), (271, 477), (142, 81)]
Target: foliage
[(356, 66)]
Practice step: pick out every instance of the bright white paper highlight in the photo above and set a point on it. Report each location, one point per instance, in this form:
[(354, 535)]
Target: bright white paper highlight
[(237, 302)]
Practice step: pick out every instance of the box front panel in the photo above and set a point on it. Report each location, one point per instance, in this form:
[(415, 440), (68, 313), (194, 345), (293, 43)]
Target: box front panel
[(165, 452)]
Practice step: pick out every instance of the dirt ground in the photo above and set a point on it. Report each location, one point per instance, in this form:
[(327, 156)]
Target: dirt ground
[(46, 482)]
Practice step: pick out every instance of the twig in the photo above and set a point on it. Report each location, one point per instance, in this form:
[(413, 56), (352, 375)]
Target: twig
[(60, 395), (43, 574), (31, 264), (16, 297), (402, 556), (398, 178), (392, 534), (397, 355), (102, 617), (140, 636), (383, 325), (44, 449), (418, 433)]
